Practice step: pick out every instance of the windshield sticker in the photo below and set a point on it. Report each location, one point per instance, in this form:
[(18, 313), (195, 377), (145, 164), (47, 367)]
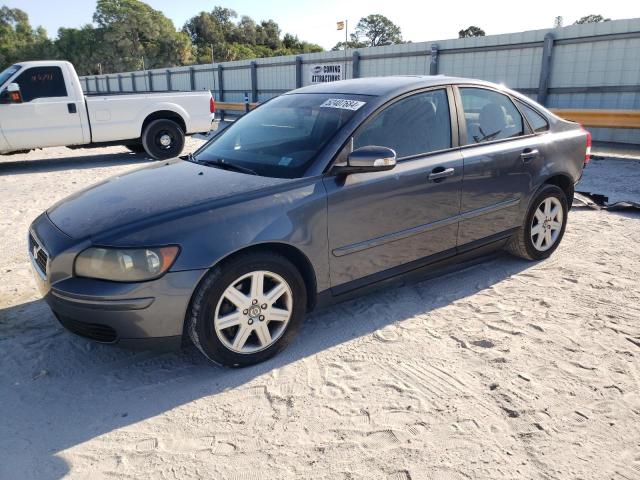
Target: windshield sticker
[(285, 161), (342, 103)]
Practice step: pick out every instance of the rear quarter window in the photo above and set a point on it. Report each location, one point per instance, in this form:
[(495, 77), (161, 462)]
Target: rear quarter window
[(536, 120)]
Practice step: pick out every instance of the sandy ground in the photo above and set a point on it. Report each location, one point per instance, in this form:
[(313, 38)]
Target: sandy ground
[(504, 370)]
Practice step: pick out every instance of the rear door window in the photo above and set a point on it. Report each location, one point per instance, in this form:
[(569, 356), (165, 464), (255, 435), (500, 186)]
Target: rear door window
[(41, 82), (489, 116)]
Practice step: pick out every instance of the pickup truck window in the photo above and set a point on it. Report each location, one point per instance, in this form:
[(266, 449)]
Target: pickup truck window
[(41, 82), (8, 72), (282, 137)]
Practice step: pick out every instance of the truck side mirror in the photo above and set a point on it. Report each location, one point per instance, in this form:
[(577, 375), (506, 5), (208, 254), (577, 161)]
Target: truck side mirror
[(11, 94)]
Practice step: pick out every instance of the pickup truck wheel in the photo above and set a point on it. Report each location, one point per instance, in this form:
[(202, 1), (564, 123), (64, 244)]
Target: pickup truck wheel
[(163, 139), (543, 226), (247, 309)]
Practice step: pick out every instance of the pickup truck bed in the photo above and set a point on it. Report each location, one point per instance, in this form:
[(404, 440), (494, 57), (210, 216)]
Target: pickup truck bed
[(122, 116)]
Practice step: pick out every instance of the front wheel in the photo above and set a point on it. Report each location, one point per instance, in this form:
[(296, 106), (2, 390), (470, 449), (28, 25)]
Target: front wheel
[(543, 227), (163, 139), (248, 309)]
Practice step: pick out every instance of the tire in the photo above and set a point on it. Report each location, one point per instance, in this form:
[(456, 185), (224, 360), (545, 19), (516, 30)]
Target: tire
[(532, 247), (157, 133), (135, 147), (233, 335)]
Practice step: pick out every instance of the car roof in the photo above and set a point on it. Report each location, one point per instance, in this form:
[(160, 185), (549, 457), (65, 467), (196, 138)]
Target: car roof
[(383, 86)]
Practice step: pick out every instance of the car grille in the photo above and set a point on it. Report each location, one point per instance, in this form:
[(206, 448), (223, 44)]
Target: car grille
[(94, 331), (38, 254)]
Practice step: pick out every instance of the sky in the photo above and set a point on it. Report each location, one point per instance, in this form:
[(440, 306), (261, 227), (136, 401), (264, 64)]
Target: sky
[(316, 21)]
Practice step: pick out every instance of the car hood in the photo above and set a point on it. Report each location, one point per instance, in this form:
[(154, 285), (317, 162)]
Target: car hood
[(139, 196)]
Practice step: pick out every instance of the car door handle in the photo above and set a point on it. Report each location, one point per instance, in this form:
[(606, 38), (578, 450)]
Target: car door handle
[(440, 173), (528, 154), (71, 107)]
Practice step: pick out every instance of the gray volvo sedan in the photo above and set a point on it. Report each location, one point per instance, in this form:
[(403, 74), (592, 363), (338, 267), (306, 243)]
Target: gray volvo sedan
[(314, 196)]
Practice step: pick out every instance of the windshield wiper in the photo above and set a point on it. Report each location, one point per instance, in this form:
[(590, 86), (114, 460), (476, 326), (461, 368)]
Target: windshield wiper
[(222, 163)]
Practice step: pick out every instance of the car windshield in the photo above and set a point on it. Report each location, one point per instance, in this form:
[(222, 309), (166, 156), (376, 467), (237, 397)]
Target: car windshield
[(8, 72), (282, 137)]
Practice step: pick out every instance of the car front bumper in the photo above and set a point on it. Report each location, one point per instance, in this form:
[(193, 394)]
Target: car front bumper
[(144, 315), (140, 315)]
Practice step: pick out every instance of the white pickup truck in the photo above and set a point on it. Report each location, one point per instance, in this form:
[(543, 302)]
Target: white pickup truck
[(42, 105)]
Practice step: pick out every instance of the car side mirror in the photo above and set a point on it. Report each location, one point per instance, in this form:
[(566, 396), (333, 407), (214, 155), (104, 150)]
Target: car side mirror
[(371, 158), (11, 94)]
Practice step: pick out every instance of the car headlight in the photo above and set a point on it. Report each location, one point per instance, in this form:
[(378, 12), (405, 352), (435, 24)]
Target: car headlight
[(125, 264)]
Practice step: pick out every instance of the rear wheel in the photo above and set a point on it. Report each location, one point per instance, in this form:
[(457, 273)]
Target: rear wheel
[(163, 139), (248, 309), (543, 227)]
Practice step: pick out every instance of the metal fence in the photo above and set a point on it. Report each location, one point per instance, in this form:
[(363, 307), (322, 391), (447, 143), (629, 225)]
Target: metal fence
[(580, 66)]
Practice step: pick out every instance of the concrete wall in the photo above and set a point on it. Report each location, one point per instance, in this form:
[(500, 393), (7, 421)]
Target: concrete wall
[(580, 66)]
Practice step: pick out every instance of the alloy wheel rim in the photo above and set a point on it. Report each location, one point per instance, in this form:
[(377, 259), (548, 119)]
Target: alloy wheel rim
[(253, 312), (546, 224)]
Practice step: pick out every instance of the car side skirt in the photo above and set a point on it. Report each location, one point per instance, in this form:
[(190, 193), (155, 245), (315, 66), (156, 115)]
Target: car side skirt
[(432, 266)]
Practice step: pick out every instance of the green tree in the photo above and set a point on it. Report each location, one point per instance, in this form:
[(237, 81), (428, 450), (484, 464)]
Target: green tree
[(212, 32), (224, 18), (133, 30), (353, 43), (269, 34), (591, 19), (308, 47), (18, 40), (82, 47), (246, 32), (126, 31), (377, 30), (471, 31), (372, 31), (217, 32), (291, 44)]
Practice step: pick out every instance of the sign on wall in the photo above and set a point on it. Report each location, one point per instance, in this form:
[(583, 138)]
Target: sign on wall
[(326, 72)]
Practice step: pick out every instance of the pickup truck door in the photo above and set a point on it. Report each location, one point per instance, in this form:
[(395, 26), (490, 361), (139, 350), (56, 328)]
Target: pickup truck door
[(49, 114), (383, 222)]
